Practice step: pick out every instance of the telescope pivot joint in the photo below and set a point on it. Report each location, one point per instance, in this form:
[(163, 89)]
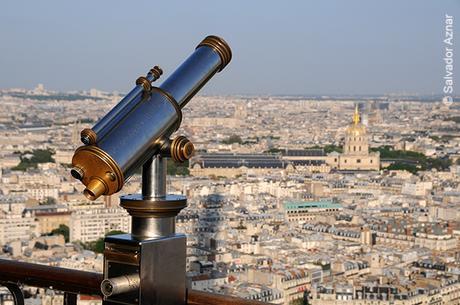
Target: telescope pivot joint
[(180, 149)]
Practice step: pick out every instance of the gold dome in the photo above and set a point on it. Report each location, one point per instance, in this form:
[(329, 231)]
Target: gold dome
[(356, 128)]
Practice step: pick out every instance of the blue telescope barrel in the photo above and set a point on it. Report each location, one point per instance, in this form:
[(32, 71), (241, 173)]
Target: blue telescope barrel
[(104, 125), (134, 130)]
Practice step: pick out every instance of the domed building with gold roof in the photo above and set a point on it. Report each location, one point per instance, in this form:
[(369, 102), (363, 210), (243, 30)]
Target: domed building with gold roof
[(356, 155)]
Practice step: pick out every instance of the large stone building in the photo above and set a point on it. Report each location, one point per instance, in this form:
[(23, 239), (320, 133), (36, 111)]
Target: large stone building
[(416, 292), (89, 225), (16, 227), (304, 211), (48, 221), (291, 282), (233, 165), (356, 155)]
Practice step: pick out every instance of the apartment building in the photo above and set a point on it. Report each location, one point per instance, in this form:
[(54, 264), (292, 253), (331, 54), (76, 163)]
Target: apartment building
[(91, 224)]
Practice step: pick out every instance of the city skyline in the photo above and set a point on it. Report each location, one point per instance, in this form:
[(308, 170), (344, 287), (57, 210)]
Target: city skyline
[(320, 165), (324, 202), (304, 48)]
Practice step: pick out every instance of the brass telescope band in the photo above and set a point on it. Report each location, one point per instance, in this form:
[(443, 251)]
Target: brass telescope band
[(140, 125)]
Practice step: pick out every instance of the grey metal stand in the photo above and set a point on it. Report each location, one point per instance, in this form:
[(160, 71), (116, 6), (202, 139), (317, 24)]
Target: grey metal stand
[(148, 265)]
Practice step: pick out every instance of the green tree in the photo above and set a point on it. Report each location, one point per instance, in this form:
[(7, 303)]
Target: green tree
[(176, 168), (331, 147), (36, 156), (417, 160), (274, 150), (62, 230), (233, 139), (98, 245), (403, 166), (48, 201), (455, 119), (327, 148)]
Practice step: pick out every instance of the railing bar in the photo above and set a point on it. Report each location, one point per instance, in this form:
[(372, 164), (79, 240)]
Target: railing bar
[(43, 276), (195, 297), (18, 296), (88, 283), (70, 298)]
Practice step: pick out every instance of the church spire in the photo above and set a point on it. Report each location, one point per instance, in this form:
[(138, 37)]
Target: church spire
[(356, 117)]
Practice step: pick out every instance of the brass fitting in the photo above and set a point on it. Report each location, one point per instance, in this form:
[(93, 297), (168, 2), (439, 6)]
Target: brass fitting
[(220, 46), (142, 80), (88, 136), (95, 188), (181, 149), (156, 72), (97, 171)]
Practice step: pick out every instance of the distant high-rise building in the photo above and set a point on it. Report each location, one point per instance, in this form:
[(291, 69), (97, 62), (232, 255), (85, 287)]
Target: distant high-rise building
[(76, 133)]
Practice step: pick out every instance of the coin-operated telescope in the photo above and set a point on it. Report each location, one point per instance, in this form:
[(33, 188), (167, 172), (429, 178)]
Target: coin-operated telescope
[(148, 265)]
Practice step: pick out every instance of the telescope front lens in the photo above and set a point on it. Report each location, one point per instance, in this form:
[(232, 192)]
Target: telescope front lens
[(106, 288), (89, 194)]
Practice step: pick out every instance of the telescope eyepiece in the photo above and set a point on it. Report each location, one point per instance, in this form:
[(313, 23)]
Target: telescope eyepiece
[(77, 173)]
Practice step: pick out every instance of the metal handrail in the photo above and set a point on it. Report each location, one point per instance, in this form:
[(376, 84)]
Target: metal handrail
[(43, 276), (88, 283)]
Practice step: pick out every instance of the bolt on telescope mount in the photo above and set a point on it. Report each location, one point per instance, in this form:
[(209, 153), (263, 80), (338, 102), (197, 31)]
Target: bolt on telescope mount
[(148, 265)]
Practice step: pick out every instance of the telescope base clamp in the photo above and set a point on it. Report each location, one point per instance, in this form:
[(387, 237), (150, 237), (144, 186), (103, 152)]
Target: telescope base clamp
[(159, 262)]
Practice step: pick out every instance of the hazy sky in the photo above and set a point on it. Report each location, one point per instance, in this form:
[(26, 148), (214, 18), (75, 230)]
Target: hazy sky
[(279, 47)]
